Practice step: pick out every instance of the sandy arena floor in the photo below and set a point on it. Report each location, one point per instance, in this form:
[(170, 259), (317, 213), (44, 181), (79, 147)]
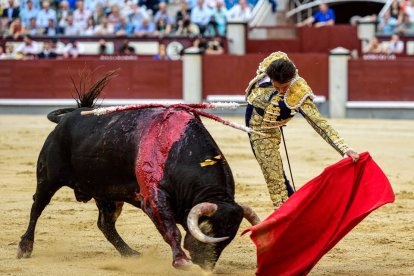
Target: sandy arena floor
[(68, 241)]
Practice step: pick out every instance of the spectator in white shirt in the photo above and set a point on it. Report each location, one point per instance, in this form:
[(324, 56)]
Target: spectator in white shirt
[(70, 28), (395, 45), (27, 13), (138, 14), (72, 49), (105, 28), (45, 14), (81, 15), (28, 47), (63, 12), (240, 12), (90, 5), (200, 15)]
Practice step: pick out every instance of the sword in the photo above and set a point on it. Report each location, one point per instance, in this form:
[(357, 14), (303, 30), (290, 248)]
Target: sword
[(287, 156)]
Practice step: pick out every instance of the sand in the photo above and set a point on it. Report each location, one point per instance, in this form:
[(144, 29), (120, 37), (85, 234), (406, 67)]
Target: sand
[(68, 242)]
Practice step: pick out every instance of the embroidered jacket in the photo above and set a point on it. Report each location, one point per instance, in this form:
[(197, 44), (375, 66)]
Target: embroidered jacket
[(274, 109)]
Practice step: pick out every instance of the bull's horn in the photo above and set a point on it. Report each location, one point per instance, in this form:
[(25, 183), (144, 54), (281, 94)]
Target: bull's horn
[(250, 215), (202, 209)]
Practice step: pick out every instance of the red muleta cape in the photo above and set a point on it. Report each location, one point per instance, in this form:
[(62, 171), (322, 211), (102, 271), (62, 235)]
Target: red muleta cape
[(296, 236)]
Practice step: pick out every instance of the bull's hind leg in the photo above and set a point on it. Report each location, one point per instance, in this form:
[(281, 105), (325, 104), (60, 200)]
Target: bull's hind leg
[(41, 199), (109, 212), (163, 218)]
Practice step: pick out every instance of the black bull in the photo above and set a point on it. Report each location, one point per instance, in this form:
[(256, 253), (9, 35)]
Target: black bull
[(149, 158)]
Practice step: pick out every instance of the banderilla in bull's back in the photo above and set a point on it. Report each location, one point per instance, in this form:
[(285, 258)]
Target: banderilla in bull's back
[(150, 158)]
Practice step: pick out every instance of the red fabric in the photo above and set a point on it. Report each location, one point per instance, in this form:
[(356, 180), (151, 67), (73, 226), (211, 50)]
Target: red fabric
[(296, 236)]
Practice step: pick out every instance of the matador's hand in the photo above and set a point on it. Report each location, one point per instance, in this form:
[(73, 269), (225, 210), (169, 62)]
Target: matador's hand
[(354, 155)]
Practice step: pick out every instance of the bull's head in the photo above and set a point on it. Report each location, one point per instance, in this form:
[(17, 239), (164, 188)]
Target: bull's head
[(212, 227)]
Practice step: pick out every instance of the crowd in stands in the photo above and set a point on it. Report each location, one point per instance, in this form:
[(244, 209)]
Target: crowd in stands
[(120, 18), (397, 21), (109, 18)]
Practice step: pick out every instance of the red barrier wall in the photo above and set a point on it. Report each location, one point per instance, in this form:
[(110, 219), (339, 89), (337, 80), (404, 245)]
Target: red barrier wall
[(309, 40), (144, 79), (376, 80), (229, 74)]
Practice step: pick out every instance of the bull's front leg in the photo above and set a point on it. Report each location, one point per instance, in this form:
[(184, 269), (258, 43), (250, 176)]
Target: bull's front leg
[(160, 212)]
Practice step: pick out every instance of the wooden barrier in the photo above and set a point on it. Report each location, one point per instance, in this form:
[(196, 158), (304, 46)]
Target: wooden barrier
[(230, 75), (307, 40), (377, 80), (50, 79)]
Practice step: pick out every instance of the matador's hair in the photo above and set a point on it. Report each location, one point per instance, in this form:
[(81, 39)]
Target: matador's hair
[(281, 70)]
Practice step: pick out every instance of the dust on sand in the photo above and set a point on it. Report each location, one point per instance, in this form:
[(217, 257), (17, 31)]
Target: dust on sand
[(68, 242)]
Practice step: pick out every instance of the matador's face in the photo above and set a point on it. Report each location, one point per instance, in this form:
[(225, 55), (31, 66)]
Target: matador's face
[(281, 87)]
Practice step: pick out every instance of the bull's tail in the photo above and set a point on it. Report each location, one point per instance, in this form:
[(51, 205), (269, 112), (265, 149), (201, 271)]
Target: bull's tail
[(83, 98), (56, 115)]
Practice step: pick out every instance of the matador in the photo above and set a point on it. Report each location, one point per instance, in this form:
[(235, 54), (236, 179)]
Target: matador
[(274, 96)]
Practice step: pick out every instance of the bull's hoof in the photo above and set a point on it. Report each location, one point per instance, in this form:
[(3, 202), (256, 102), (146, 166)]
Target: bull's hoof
[(25, 249), (182, 263)]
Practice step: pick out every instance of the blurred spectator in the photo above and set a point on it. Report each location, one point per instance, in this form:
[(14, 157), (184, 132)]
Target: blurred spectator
[(138, 13), (105, 28), (395, 9), (162, 53), (51, 29), (387, 24), (28, 47), (72, 49), (10, 53), (16, 28), (23, 4), (57, 46), (72, 4), (409, 9), (373, 47), (98, 13), (186, 27), (325, 16), (91, 5), (407, 26), (199, 46), (45, 14), (395, 45), (217, 24), (3, 55), (47, 52), (10, 13), (182, 12), (81, 15), (29, 12), (162, 14), (211, 4), (150, 5), (123, 28), (70, 29), (145, 28), (215, 47), (102, 49), (240, 12), (90, 27), (115, 16), (62, 14), (162, 28), (200, 15), (126, 49), (33, 29)]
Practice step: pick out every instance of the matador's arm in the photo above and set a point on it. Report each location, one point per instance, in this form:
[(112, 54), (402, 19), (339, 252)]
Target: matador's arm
[(311, 113)]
